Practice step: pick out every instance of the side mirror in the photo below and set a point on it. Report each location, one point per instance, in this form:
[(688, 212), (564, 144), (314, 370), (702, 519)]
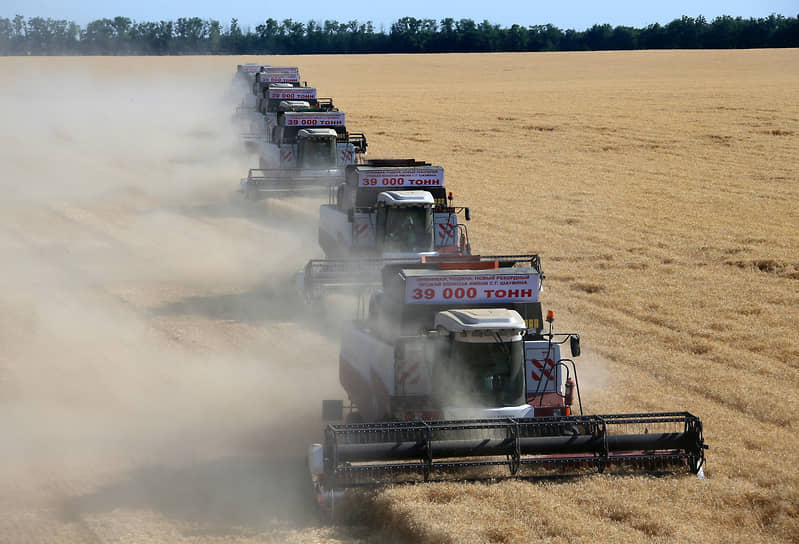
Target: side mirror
[(467, 214), (574, 344), (350, 215)]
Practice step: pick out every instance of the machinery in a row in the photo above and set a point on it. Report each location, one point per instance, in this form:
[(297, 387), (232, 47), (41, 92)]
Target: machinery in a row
[(455, 374), (301, 139), (252, 113), (246, 116)]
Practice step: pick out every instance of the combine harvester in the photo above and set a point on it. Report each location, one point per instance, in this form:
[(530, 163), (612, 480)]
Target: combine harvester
[(307, 153), (384, 211), (454, 375), (255, 120)]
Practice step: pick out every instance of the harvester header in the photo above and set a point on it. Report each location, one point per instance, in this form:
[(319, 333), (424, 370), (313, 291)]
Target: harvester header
[(414, 451)]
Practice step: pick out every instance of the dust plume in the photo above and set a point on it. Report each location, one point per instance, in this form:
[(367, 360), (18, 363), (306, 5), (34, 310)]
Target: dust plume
[(151, 346)]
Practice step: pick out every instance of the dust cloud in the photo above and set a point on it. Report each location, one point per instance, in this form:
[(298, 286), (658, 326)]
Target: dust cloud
[(152, 352)]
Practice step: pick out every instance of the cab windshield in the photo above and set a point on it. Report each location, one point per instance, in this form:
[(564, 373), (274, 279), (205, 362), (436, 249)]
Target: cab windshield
[(319, 153), (408, 230), (488, 374)]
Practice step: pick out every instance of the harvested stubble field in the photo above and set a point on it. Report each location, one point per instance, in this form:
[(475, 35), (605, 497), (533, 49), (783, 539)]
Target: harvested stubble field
[(158, 381)]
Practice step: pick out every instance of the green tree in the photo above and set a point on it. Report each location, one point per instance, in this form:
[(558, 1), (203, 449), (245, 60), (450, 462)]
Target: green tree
[(39, 36), (214, 32), (18, 37), (6, 31), (233, 38), (99, 37)]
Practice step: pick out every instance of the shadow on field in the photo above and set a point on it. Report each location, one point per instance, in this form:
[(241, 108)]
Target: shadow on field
[(225, 497), (269, 213), (278, 302), (266, 302)]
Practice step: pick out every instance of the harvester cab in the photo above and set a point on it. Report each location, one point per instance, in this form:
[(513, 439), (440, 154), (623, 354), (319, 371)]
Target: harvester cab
[(481, 356), (316, 148), (455, 374), (404, 223)]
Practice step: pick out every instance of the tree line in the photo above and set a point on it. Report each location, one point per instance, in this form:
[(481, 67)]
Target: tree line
[(123, 36)]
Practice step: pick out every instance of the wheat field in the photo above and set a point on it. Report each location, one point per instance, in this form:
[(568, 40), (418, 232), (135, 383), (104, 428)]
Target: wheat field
[(160, 381)]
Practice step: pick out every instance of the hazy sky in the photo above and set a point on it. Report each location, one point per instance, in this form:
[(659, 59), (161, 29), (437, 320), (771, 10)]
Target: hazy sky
[(576, 14)]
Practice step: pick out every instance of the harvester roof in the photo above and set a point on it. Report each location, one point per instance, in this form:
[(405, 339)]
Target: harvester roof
[(475, 319), (294, 105), (405, 198), (316, 132)]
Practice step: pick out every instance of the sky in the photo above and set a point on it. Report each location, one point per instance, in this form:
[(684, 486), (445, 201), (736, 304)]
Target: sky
[(565, 14)]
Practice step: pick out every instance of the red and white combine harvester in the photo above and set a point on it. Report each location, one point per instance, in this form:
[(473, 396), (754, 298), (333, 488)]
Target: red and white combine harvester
[(276, 85), (384, 211), (307, 152), (310, 137), (455, 374)]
